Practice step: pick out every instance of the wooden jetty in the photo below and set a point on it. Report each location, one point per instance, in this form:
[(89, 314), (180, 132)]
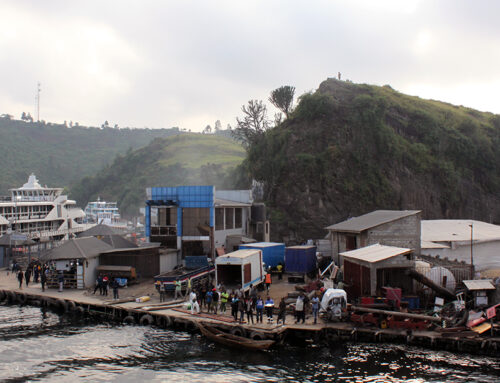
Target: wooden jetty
[(172, 316)]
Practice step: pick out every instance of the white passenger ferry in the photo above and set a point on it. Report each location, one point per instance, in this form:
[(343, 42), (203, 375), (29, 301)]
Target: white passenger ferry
[(41, 213), (102, 212)]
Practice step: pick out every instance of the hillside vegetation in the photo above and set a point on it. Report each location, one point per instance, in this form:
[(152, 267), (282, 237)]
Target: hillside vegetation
[(59, 155), (348, 149), (187, 159)]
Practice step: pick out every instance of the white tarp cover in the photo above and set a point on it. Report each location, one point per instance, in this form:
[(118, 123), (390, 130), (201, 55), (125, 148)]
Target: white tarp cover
[(329, 295)]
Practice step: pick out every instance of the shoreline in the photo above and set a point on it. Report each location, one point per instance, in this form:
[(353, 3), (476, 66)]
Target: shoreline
[(152, 313)]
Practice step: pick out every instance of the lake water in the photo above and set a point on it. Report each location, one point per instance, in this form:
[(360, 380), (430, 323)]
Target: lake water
[(38, 345)]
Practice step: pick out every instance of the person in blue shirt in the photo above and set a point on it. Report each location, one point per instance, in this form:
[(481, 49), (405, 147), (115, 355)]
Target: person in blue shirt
[(315, 308), (269, 309), (208, 300), (259, 306)]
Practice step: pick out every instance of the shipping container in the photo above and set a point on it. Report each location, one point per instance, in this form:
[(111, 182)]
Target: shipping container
[(272, 253), (240, 269), (300, 259)]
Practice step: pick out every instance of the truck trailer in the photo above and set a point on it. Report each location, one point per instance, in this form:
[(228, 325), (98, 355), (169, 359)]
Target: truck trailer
[(240, 269), (197, 268)]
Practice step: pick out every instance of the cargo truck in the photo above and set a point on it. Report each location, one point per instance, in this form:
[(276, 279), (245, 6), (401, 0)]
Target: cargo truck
[(240, 269)]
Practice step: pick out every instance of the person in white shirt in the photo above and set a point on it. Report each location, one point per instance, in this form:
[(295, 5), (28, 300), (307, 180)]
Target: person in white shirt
[(194, 302)]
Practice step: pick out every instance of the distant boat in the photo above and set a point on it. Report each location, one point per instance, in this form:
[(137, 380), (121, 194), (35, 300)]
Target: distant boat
[(102, 212), (234, 340)]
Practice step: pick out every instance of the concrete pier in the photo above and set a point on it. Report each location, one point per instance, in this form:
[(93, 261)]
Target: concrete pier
[(78, 302)]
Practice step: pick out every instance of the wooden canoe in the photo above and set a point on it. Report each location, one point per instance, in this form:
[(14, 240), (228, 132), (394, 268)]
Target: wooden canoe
[(234, 340)]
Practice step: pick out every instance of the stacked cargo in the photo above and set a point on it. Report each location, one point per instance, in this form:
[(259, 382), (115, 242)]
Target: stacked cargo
[(272, 253)]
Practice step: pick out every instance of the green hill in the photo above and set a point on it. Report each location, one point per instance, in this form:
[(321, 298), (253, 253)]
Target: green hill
[(350, 148), (60, 155), (187, 159)]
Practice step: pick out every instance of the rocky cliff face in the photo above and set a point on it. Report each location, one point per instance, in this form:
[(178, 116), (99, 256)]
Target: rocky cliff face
[(349, 149)]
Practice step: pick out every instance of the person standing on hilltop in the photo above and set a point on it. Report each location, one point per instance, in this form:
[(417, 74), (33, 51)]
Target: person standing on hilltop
[(20, 277)]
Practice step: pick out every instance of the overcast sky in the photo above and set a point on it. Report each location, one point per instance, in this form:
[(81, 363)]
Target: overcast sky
[(186, 63)]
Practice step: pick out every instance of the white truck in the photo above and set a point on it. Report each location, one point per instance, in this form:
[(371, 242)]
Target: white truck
[(240, 269)]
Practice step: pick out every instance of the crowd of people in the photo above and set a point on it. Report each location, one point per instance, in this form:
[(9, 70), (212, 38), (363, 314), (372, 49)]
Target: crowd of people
[(103, 283), (39, 272), (248, 306)]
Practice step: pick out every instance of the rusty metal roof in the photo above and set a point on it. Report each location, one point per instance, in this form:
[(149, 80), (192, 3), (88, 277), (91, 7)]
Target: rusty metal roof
[(375, 253), (373, 219), (479, 284)]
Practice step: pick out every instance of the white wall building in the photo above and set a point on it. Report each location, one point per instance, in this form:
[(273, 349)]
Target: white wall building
[(454, 239)]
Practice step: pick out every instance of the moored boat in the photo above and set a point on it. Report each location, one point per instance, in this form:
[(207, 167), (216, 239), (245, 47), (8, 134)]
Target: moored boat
[(234, 340)]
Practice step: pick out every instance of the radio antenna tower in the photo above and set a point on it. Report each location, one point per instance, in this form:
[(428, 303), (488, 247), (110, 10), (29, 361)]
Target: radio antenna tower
[(38, 102)]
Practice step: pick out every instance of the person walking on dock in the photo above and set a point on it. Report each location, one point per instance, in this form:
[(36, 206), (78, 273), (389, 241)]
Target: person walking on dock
[(20, 277), (178, 289), (299, 309), (234, 306), (162, 291), (282, 311), (208, 299), (259, 305), (194, 303), (43, 280), (27, 276), (249, 305), (315, 308), (223, 301), (215, 300), (115, 286), (61, 281), (188, 287), (269, 309), (105, 285), (268, 281), (279, 268), (241, 309), (98, 284)]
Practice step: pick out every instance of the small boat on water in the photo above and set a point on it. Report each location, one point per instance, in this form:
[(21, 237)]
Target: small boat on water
[(234, 340)]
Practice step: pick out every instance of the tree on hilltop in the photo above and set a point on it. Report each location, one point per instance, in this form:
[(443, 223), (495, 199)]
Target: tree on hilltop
[(282, 98), (253, 124)]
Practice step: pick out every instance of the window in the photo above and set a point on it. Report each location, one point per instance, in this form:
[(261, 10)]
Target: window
[(196, 221), (238, 223), (219, 219), (350, 242), (229, 218)]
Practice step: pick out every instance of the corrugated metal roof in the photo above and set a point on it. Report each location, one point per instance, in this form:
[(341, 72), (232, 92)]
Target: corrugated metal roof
[(375, 253), (265, 244), (237, 254), (224, 202), (479, 284), (373, 219), (432, 245), (77, 248), (458, 231)]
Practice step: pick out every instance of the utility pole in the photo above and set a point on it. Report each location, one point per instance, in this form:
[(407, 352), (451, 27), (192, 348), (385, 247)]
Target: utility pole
[(471, 255), (38, 102)]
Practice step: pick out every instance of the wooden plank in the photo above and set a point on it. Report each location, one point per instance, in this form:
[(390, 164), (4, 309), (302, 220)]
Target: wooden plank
[(482, 328)]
